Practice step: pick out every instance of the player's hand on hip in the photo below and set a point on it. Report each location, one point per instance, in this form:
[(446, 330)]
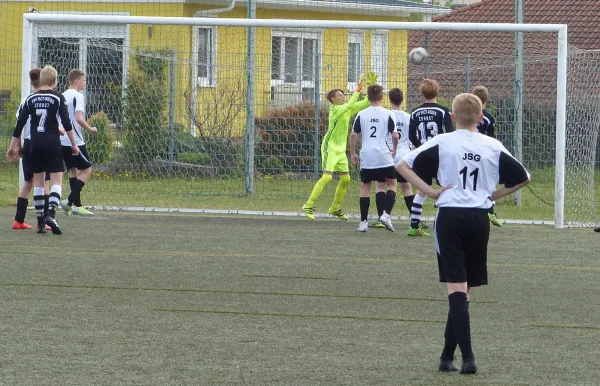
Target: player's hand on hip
[(61, 130), (438, 192), (355, 159), (94, 130), (74, 150)]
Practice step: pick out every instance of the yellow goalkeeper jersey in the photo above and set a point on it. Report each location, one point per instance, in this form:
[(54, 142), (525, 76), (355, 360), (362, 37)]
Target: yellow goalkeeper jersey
[(336, 138)]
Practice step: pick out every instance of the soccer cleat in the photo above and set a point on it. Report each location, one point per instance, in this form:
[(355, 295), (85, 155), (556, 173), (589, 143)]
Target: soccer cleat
[(20, 225), (63, 204), (309, 211), (53, 224), (447, 365), (363, 226), (378, 224), (468, 366), (417, 232), (494, 219), (68, 208), (46, 226), (386, 220), (81, 211), (339, 214)]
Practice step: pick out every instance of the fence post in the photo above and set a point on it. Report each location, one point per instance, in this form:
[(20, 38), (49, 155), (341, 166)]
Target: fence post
[(468, 74), (250, 73), (171, 109), (426, 71), (317, 110), (518, 133)]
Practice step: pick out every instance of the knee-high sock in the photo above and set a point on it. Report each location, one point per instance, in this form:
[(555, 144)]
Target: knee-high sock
[(55, 192), (340, 191), (408, 201), (416, 210), (365, 202), (318, 189), (390, 200), (38, 201), (21, 209), (449, 340), (380, 203), (459, 308)]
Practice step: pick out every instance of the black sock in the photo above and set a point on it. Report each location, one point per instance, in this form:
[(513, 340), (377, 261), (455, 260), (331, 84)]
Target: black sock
[(72, 194), (46, 204), (380, 203), (491, 210), (390, 200), (78, 188), (449, 340), (21, 209), (365, 202), (459, 308), (408, 200)]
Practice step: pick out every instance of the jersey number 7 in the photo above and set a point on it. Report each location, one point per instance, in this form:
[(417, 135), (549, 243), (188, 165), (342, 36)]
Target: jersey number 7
[(42, 113)]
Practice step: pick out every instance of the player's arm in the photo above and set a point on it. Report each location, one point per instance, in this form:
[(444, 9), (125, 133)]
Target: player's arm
[(422, 162), (448, 125), (359, 106), (356, 129), (413, 128), (79, 115), (512, 174), (15, 149), (63, 114), (395, 136)]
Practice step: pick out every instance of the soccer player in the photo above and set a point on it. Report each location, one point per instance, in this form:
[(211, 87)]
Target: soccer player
[(42, 109), (79, 166), (333, 148), (402, 119), (486, 127), (426, 121), (375, 123), (469, 167)]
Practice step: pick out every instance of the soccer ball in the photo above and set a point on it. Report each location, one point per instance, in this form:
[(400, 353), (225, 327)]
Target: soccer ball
[(418, 55)]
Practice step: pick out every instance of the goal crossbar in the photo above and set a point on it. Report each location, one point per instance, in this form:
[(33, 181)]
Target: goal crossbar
[(562, 51)]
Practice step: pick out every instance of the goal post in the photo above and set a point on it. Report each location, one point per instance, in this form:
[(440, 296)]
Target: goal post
[(30, 20)]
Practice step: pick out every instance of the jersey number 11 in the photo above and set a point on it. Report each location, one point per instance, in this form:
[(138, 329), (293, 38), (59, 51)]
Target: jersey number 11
[(473, 174)]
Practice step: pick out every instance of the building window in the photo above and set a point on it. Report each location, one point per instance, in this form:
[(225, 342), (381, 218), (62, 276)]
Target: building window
[(356, 45), (379, 55), (206, 49), (293, 66)]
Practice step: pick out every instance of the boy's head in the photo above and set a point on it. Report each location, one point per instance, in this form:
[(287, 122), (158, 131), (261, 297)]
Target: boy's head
[(375, 93), (482, 93), (34, 78), (336, 96), (77, 79), (466, 111), (396, 97), (429, 88), (48, 77)]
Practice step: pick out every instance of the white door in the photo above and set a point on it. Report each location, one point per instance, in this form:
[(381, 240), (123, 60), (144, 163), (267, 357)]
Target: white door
[(379, 55)]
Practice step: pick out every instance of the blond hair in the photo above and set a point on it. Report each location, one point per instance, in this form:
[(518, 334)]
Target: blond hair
[(74, 75), (429, 88), (482, 93), (466, 109), (48, 76)]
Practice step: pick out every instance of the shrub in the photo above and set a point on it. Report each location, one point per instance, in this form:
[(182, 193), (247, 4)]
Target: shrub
[(288, 136), (194, 159), (102, 145)]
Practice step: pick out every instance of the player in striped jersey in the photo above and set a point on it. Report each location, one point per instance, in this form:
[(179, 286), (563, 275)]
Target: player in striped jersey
[(375, 124), (333, 148), (426, 121), (469, 166), (486, 126)]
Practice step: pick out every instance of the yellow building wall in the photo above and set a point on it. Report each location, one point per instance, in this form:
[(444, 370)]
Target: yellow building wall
[(231, 51)]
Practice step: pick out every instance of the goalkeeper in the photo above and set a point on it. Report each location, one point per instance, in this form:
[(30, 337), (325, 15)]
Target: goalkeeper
[(333, 148)]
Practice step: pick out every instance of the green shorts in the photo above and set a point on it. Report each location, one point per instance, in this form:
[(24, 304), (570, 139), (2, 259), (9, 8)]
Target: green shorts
[(335, 162)]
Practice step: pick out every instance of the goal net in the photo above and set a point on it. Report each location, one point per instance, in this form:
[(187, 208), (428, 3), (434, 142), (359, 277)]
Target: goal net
[(209, 113)]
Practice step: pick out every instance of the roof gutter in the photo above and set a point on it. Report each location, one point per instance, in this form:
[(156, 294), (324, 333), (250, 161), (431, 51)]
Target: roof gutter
[(215, 11)]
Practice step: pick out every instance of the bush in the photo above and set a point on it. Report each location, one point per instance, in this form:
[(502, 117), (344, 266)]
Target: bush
[(286, 138), (194, 159), (102, 145)]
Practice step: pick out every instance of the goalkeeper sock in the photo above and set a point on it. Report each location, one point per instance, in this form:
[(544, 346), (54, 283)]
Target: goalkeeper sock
[(365, 202), (380, 203), (318, 189), (340, 191), (416, 210), (390, 200)]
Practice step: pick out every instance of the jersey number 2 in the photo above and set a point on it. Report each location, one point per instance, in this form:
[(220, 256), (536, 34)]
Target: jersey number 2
[(374, 128), (474, 174), (42, 113)]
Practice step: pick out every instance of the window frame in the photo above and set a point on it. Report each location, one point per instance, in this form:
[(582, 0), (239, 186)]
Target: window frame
[(356, 37), (383, 75), (209, 81)]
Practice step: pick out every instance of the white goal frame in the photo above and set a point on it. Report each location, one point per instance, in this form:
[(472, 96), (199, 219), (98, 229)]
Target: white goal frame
[(29, 19)]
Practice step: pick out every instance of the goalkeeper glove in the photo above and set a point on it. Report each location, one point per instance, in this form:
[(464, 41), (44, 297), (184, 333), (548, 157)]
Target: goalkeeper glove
[(371, 79), (360, 84)]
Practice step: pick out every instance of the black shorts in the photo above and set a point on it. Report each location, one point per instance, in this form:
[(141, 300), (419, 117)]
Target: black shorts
[(379, 174), (461, 239), (47, 159), (81, 161), (400, 179)]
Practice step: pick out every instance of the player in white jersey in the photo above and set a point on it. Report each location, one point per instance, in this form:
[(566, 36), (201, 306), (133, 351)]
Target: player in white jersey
[(80, 167), (23, 198), (469, 166), (375, 123)]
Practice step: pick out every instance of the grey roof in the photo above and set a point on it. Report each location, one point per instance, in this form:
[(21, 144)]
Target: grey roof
[(399, 3)]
